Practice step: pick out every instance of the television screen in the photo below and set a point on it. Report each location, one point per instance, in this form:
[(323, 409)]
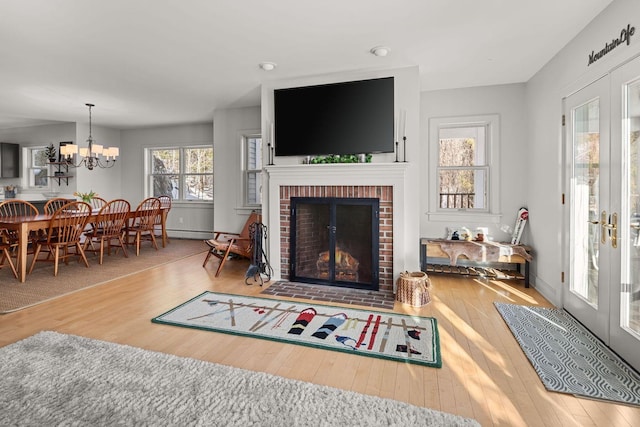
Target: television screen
[(340, 118)]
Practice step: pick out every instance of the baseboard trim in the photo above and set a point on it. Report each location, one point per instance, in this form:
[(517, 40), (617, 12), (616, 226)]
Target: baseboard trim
[(189, 234)]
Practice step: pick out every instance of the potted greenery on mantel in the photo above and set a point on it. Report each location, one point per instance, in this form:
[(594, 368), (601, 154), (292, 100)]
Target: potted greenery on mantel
[(345, 158)]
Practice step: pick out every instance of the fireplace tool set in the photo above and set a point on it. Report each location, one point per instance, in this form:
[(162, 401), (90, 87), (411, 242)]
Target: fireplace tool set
[(260, 267)]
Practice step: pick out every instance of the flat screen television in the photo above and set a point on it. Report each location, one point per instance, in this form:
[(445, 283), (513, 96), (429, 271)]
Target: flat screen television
[(339, 118)]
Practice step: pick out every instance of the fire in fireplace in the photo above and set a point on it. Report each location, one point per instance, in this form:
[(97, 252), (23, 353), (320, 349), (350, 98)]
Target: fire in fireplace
[(335, 241)]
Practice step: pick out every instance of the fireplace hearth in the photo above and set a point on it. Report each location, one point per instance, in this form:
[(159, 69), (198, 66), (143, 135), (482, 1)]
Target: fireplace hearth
[(335, 241)]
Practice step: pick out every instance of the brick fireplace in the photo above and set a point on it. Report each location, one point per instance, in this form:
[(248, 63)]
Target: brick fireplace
[(384, 195), (384, 181)]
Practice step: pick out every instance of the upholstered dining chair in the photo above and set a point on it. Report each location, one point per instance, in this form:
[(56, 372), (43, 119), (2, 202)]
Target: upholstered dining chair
[(63, 235), (225, 243), (109, 227), (142, 224)]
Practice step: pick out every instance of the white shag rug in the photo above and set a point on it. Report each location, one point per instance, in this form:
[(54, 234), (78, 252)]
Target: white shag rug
[(57, 379)]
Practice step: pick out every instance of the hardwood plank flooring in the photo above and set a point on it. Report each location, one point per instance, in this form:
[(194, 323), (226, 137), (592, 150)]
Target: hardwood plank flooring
[(485, 375)]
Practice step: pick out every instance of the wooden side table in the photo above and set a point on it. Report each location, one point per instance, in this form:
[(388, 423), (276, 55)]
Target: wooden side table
[(476, 253)]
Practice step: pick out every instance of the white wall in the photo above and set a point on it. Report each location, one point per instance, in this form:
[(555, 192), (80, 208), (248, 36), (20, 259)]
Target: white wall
[(188, 220), (407, 98), (105, 182), (565, 73), (508, 101), (230, 126), (32, 136)]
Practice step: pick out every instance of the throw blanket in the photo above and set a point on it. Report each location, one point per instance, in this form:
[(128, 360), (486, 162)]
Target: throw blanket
[(481, 251)]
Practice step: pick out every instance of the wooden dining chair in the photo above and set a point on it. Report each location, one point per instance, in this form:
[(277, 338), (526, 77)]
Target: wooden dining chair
[(54, 204), (165, 207), (98, 202), (12, 208), (109, 228), (6, 255), (225, 243), (63, 235), (17, 207), (142, 224)]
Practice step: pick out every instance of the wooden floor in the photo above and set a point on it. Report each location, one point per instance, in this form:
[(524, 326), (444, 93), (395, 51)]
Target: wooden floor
[(484, 375)]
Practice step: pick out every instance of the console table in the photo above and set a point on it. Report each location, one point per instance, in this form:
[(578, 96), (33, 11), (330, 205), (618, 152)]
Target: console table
[(475, 252)]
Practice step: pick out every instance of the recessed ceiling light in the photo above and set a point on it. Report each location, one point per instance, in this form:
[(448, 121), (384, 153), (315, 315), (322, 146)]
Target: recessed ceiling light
[(380, 51), (267, 66)]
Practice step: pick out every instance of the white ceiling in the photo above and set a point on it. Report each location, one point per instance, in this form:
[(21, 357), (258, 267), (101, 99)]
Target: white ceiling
[(154, 62)]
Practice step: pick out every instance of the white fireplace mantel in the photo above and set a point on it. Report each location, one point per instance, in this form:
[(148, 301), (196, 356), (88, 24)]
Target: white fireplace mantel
[(338, 173), (378, 174)]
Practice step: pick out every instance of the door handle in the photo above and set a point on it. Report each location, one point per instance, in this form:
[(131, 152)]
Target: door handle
[(612, 227), (614, 230), (609, 227), (603, 229)]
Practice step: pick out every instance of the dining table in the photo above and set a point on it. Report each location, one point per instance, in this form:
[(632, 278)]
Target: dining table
[(25, 225)]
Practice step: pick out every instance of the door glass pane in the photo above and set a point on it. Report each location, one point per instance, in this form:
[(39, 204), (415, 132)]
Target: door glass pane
[(312, 241), (631, 242), (585, 203), (353, 243)]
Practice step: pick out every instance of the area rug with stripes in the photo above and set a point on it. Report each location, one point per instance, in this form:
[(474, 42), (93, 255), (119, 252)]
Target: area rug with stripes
[(410, 339), (568, 357)]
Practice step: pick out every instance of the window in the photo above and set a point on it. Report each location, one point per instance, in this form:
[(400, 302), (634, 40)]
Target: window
[(38, 168), (184, 173), (252, 170), (462, 168), (463, 165)]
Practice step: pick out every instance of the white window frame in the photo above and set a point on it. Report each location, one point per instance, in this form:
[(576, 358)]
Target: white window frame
[(30, 167), (490, 213), (181, 174), (246, 170)]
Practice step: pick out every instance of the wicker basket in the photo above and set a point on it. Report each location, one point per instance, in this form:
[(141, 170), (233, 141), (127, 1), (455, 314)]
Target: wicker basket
[(413, 289)]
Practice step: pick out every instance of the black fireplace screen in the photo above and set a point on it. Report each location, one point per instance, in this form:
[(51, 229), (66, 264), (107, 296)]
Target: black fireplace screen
[(335, 241)]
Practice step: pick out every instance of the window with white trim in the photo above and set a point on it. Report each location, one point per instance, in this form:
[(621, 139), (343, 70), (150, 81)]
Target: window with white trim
[(464, 170), (252, 170), (183, 173), (38, 169)]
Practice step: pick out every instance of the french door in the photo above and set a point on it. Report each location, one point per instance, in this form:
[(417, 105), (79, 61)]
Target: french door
[(602, 134), (587, 125), (625, 191)]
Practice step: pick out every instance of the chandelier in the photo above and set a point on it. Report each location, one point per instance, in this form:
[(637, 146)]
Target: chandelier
[(90, 156)]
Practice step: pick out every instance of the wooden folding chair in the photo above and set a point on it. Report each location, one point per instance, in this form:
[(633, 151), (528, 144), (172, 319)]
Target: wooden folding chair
[(225, 243)]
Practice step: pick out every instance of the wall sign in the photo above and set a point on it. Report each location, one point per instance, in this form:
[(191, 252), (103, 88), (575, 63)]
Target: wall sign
[(625, 38)]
